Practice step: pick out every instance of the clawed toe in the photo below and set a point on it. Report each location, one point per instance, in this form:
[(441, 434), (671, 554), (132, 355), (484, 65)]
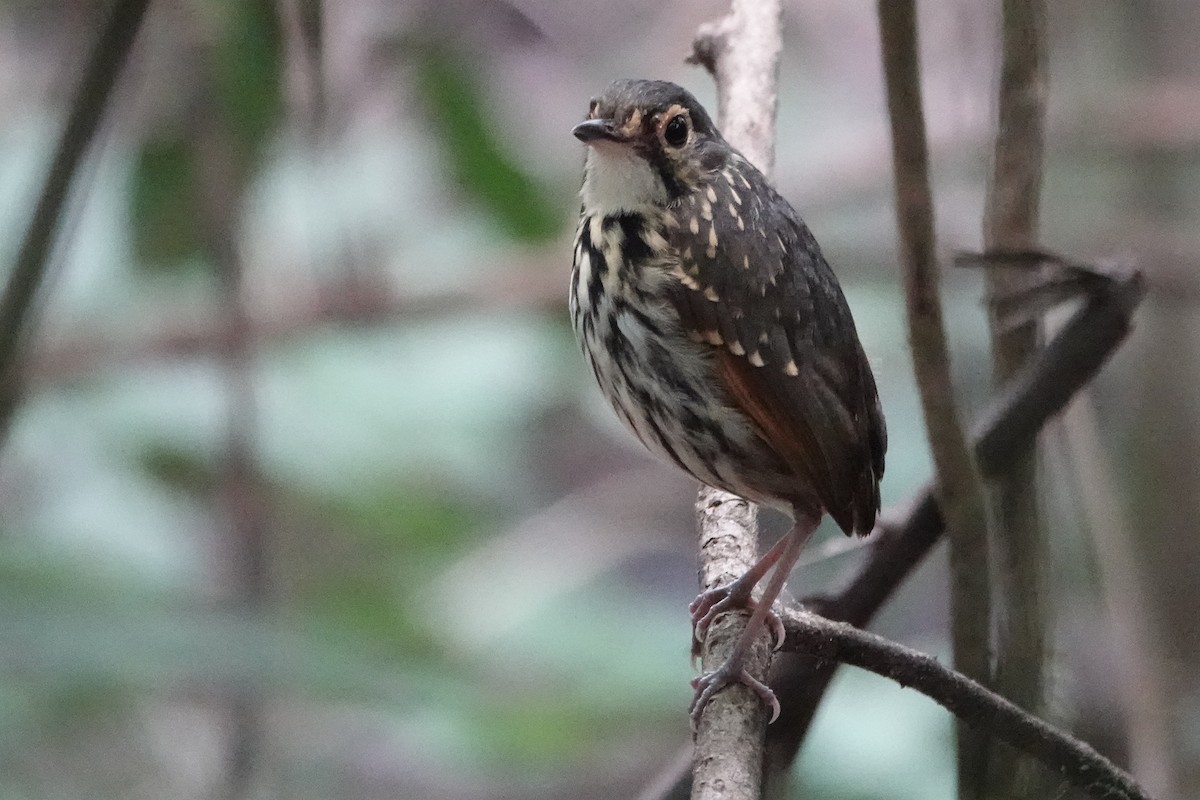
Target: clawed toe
[(711, 604), (708, 606), (708, 684)]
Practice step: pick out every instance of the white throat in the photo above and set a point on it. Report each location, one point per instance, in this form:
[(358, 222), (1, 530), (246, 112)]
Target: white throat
[(616, 181)]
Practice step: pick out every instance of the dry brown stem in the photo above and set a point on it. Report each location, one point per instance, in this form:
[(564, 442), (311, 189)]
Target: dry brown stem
[(1010, 223), (959, 486)]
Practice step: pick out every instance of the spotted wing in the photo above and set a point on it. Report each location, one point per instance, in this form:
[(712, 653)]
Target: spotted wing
[(754, 284)]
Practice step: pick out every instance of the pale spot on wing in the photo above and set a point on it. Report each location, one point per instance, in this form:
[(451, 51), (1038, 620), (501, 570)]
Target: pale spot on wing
[(764, 337), (706, 209), (745, 262), (711, 294), (694, 225), (737, 198), (713, 338), (741, 224), (711, 194), (712, 236), (733, 212), (756, 359), (736, 348), (790, 368)]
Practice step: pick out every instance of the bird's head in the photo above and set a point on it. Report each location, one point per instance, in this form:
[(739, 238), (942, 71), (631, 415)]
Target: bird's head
[(649, 142)]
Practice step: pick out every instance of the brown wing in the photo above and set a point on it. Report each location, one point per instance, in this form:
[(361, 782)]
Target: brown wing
[(754, 279)]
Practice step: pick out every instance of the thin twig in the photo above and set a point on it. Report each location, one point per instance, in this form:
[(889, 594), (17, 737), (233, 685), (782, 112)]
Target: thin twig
[(741, 51), (1010, 222), (959, 486), (224, 170), (970, 702), (1139, 678), (87, 109)]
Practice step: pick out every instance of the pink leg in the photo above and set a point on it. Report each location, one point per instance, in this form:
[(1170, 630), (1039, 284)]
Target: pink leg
[(733, 670), (734, 596)]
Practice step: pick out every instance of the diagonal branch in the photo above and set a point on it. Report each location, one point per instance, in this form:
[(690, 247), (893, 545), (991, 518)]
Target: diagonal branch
[(959, 486), (1076, 761), (87, 109)]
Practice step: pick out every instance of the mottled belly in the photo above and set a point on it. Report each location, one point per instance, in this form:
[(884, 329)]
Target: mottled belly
[(663, 386)]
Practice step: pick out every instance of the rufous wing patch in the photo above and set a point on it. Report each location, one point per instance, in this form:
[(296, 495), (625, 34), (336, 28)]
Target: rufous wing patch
[(796, 445)]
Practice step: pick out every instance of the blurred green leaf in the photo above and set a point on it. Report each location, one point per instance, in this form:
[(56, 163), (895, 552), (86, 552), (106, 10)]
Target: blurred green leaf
[(165, 216), (477, 156), (248, 73), (177, 467), (386, 549)]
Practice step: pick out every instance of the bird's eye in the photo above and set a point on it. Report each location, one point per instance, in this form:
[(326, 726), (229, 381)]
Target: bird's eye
[(676, 132), (592, 106)]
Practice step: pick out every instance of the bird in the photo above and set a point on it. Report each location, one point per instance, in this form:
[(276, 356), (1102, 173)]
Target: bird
[(719, 334)]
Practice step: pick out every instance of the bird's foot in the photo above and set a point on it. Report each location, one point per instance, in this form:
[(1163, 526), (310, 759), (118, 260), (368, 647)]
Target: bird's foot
[(732, 671), (732, 597)]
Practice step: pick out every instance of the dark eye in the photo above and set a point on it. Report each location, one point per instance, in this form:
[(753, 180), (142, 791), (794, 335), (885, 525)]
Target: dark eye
[(592, 106), (676, 132)]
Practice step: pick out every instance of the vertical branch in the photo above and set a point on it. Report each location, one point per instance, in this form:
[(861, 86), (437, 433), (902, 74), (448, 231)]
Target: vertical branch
[(741, 51), (87, 109), (728, 756), (1010, 223), (1139, 679), (959, 487), (303, 24), (224, 166)]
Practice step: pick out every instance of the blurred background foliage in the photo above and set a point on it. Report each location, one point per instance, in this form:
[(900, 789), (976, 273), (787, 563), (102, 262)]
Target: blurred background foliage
[(311, 495)]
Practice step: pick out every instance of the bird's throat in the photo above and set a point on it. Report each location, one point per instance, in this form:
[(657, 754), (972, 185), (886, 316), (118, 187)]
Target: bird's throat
[(619, 181)]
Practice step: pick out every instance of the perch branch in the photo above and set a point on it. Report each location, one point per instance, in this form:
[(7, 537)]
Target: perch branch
[(959, 486), (87, 109), (741, 51), (727, 761)]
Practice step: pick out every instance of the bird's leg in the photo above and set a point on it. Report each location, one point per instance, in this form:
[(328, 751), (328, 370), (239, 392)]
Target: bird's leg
[(737, 595), (783, 556)]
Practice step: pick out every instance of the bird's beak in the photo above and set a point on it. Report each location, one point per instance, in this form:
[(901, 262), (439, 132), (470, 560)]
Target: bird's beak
[(597, 130)]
